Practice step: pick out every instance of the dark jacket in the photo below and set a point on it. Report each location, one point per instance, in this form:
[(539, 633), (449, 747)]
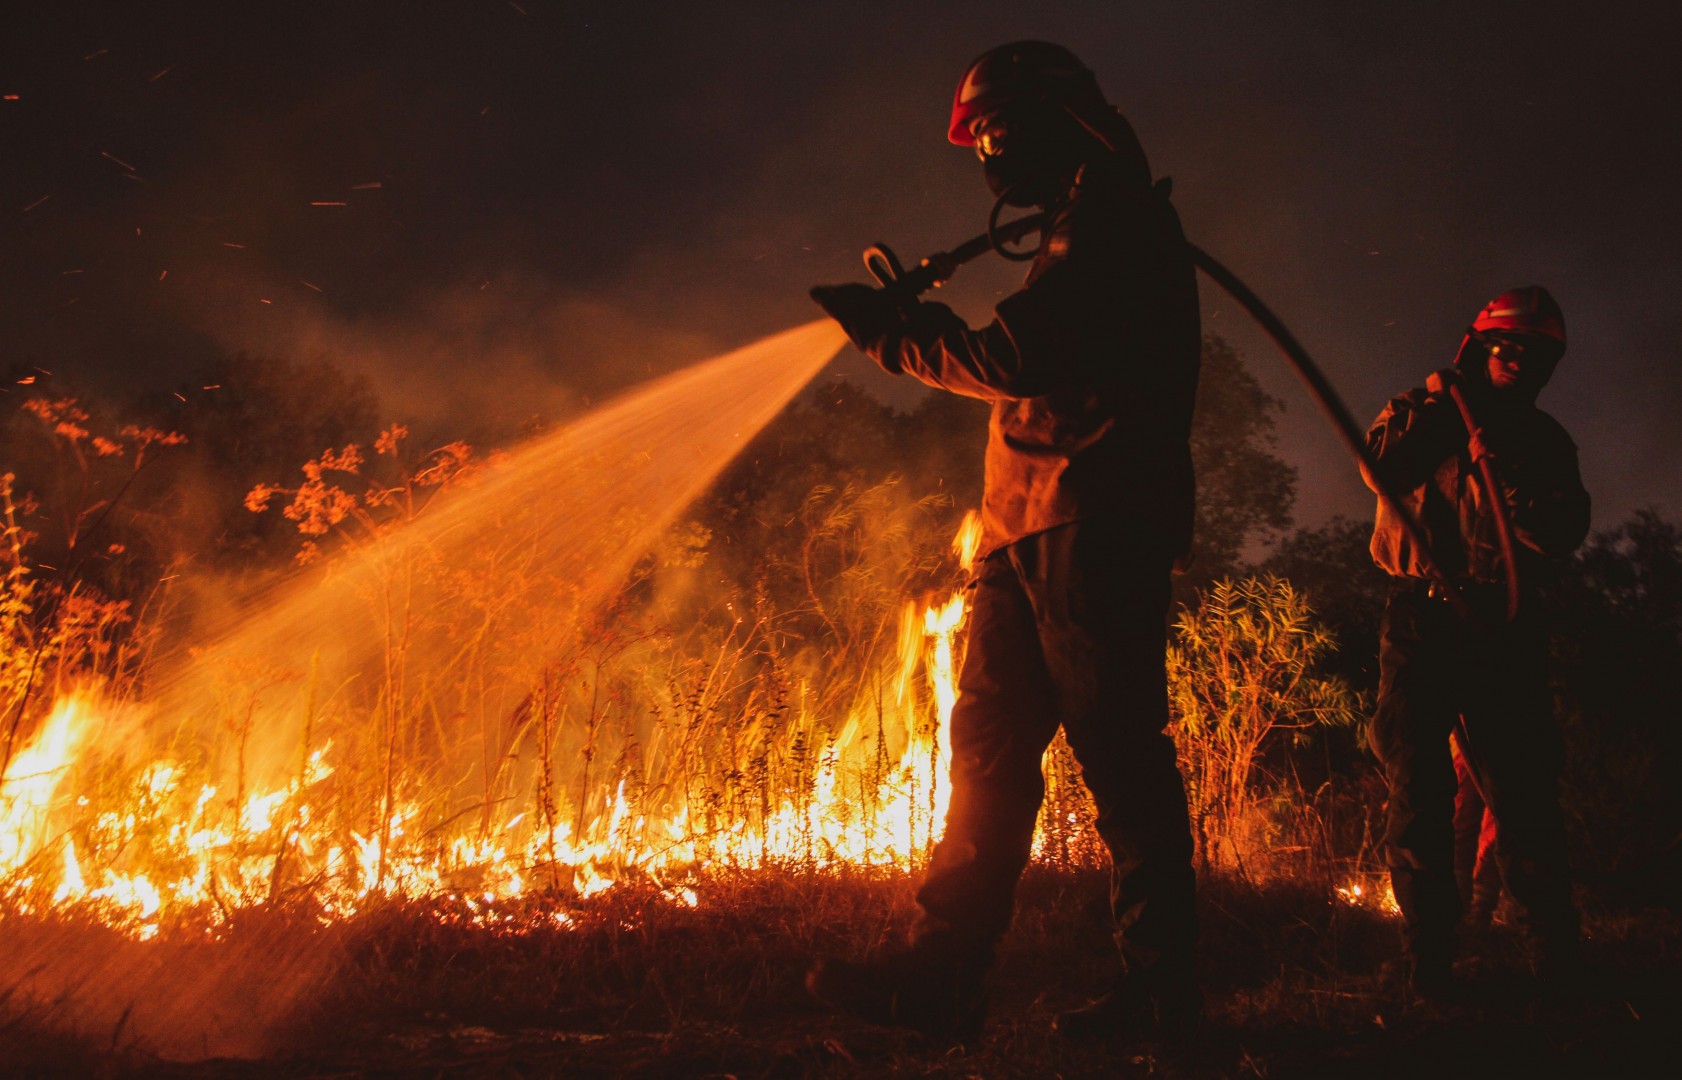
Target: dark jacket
[(1091, 368), (1420, 444)]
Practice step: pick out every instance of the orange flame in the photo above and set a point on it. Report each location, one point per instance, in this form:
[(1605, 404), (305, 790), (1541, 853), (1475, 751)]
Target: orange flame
[(165, 849), (967, 544)]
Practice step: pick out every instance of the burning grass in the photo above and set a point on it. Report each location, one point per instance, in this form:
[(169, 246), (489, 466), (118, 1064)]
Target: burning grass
[(161, 841), (684, 869), (710, 780), (157, 841)]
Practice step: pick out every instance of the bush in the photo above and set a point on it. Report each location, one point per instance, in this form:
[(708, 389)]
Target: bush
[(1245, 665)]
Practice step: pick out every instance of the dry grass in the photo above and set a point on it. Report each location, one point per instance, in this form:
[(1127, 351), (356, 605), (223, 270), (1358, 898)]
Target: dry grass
[(729, 712)]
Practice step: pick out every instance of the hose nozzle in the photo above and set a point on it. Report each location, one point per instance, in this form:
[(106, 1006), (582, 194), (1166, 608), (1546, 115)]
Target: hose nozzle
[(938, 268)]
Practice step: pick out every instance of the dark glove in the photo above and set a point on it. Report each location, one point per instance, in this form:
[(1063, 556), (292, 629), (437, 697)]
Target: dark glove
[(866, 314), (1438, 382), (1441, 385), (1473, 383)]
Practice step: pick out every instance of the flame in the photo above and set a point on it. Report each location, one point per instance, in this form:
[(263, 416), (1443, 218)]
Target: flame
[(32, 778), (968, 541), (72, 884), (163, 847), (1381, 896)]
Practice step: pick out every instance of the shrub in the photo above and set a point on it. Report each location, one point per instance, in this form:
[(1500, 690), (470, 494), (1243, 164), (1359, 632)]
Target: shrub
[(1245, 664)]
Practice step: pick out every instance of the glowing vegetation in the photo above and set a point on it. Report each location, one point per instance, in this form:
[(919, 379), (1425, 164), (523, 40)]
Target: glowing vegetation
[(515, 680)]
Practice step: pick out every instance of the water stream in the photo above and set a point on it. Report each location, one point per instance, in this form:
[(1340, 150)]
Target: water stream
[(461, 607)]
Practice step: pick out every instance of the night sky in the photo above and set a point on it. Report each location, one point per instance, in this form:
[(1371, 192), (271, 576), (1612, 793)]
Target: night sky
[(527, 206)]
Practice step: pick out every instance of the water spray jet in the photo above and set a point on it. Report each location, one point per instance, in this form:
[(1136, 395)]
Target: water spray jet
[(351, 650)]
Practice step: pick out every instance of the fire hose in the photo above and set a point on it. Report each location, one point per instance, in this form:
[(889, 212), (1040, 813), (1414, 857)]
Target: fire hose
[(1498, 503), (886, 268)]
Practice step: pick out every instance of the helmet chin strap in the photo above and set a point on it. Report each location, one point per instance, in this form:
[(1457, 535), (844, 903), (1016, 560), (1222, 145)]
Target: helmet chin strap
[(1091, 129)]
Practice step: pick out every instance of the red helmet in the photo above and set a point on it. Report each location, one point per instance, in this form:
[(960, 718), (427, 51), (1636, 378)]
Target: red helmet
[(1022, 70), (1528, 310)]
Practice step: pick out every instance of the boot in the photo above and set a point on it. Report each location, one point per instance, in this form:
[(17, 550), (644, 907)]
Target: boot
[(1140, 1004), (940, 995)]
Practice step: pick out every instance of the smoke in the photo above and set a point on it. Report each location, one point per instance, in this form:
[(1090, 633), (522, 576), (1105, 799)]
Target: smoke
[(452, 614), (1376, 174), (478, 362), (468, 601)]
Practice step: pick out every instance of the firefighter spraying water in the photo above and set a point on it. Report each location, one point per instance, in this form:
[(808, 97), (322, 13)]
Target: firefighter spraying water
[(1091, 369)]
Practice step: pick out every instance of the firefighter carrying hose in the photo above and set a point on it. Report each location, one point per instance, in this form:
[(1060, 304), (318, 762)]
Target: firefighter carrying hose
[(1487, 666), (1091, 369)]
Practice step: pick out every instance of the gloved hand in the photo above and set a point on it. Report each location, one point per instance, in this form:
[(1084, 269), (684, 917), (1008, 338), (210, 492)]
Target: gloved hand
[(1479, 446), (1438, 382), (1473, 384), (1441, 386), (863, 312)]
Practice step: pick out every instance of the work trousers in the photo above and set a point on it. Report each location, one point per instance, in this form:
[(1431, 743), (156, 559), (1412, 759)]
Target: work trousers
[(1436, 668), (1068, 627)]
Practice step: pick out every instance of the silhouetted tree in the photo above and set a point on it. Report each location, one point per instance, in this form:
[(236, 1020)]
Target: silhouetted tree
[(1245, 492), (1617, 650)]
